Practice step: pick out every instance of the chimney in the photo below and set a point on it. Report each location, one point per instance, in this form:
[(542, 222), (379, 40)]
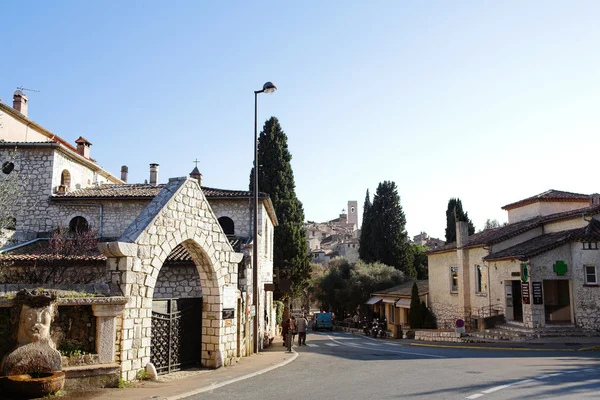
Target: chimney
[(154, 174), (20, 102), (83, 147), (462, 233), (196, 175), (124, 172)]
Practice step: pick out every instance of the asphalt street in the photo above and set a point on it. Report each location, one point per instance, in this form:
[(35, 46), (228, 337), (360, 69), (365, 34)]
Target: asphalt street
[(348, 366)]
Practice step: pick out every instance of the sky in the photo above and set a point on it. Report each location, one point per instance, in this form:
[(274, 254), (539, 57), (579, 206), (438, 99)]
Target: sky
[(487, 101)]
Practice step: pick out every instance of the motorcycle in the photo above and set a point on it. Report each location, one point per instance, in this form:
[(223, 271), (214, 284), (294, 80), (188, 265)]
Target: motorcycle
[(365, 326), (374, 328), (378, 329)]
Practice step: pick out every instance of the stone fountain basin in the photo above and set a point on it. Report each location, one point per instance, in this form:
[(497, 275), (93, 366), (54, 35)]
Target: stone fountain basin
[(42, 385)]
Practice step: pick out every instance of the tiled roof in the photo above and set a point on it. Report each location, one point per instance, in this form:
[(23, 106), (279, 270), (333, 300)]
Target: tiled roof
[(145, 191), (550, 195), (405, 289), (496, 235), (549, 241), (39, 250)]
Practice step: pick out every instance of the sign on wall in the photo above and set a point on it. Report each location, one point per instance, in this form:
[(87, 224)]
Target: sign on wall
[(524, 272), (228, 313), (525, 295), (560, 267), (229, 297), (538, 294)]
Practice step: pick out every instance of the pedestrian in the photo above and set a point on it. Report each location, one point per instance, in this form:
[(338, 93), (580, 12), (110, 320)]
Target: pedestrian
[(302, 324), (287, 334), (293, 328), (355, 319)]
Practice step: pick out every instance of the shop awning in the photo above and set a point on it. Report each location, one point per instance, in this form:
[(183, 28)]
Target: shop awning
[(389, 301), (373, 300), (403, 303)]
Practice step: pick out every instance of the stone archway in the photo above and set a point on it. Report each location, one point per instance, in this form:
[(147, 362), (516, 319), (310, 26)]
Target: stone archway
[(179, 214)]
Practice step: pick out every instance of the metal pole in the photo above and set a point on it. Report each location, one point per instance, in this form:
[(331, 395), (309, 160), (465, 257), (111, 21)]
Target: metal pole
[(255, 228)]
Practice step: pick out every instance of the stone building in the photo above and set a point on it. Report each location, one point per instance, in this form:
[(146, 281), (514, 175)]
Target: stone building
[(540, 269), (176, 249)]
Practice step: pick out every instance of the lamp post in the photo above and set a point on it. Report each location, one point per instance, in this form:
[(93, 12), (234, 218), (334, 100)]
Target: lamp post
[(268, 88)]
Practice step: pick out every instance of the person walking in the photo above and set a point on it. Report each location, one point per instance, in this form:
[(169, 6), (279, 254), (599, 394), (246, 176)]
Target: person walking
[(286, 332), (355, 319), (302, 324), (293, 329)]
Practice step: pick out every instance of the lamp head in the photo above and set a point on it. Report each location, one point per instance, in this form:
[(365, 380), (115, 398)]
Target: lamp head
[(269, 87)]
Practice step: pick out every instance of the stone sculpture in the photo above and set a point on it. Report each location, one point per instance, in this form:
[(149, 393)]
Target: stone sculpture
[(33, 368)]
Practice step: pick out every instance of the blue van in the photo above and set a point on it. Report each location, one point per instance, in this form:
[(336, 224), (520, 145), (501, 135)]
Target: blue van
[(322, 321)]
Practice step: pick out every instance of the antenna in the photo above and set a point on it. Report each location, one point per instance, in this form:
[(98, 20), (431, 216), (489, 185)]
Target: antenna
[(29, 90)]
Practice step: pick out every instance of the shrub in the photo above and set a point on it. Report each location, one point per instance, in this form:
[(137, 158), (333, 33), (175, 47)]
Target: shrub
[(279, 312)]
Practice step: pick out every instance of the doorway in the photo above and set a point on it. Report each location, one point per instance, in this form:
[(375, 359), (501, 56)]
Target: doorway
[(557, 302), (517, 301)]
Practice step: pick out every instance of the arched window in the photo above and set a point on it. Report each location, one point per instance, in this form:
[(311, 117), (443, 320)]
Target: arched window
[(65, 179), (79, 224), (227, 225)]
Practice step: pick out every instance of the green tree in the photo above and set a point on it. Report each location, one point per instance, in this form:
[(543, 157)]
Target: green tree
[(365, 248), (276, 178), (389, 237), (492, 223), (455, 213), (420, 266), (415, 316)]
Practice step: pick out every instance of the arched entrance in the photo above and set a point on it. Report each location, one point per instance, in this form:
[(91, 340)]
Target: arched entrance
[(178, 215)]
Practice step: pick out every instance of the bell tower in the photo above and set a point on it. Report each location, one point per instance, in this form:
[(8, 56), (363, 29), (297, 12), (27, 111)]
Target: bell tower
[(353, 213)]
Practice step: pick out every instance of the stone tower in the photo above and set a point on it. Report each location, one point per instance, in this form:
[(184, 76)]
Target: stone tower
[(353, 212)]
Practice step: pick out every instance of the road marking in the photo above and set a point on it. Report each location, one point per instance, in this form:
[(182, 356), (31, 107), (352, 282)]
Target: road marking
[(474, 396), (495, 389), (331, 344), (372, 344), (312, 345), (388, 351), (589, 369)]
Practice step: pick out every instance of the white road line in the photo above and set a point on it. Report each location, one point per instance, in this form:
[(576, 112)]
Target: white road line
[(495, 389), (589, 369), (372, 344), (474, 396), (390, 351), (331, 344), (523, 381), (312, 345)]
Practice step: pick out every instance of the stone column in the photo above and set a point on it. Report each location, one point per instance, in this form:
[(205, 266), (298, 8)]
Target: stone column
[(105, 330)]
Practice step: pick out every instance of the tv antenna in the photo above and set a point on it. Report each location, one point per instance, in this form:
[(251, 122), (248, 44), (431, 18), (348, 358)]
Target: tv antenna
[(28, 90)]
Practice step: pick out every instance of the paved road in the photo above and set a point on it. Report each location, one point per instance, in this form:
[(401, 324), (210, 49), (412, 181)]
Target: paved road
[(346, 366)]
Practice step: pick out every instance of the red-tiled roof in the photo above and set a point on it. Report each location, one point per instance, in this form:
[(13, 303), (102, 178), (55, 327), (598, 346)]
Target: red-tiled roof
[(145, 191), (496, 235), (405, 289), (550, 195)]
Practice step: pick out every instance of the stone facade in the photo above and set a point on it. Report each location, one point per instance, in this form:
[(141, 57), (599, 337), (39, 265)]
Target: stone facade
[(177, 281)]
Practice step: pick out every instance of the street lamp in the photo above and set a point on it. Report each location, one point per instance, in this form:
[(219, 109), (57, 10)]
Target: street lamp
[(268, 88)]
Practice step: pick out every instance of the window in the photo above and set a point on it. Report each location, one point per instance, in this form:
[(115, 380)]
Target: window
[(392, 313), (79, 224), (454, 279), (227, 225), (65, 179), (591, 278), (481, 278), (590, 245)]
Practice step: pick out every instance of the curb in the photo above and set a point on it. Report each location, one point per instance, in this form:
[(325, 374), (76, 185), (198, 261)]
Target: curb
[(503, 348), (230, 381)]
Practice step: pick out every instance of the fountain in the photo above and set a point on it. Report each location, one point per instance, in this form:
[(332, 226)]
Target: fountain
[(33, 368)]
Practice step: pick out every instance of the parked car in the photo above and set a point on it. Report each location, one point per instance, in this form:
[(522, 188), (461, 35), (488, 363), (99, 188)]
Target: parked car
[(322, 321)]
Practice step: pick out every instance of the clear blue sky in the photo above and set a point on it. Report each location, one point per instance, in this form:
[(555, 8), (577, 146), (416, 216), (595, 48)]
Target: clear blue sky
[(488, 101)]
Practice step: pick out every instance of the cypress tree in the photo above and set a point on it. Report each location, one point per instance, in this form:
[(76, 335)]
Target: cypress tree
[(365, 249), (415, 317), (389, 237), (455, 213), (276, 178)]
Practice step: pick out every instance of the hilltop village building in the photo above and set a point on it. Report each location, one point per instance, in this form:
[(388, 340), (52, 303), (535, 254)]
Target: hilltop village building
[(335, 238), (171, 273), (539, 270)]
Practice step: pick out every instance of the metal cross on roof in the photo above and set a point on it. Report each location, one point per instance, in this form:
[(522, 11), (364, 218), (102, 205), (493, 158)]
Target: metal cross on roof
[(196, 161)]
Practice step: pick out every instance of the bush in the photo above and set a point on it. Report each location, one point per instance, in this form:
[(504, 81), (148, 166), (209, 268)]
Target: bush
[(279, 312), (70, 347)]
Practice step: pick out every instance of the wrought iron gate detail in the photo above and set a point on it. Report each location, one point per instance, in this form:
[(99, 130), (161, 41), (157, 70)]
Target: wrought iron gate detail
[(176, 334)]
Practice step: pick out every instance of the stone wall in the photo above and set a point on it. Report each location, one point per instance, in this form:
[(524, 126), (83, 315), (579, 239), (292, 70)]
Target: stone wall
[(239, 211), (75, 327), (437, 336), (178, 281), (81, 175)]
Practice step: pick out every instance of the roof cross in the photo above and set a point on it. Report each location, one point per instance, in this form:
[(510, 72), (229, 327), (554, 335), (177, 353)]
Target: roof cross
[(196, 161)]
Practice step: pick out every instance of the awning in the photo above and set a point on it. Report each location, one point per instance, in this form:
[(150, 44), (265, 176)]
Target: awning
[(389, 301), (403, 303), (373, 300)]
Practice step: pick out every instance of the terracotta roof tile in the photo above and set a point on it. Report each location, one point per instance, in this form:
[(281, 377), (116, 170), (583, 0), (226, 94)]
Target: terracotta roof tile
[(145, 191), (405, 289), (549, 195)]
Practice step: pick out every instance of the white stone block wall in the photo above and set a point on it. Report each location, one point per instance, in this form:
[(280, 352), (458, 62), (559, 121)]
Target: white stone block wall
[(178, 281)]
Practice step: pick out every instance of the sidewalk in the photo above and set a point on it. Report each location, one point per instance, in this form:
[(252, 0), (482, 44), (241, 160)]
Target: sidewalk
[(175, 386)]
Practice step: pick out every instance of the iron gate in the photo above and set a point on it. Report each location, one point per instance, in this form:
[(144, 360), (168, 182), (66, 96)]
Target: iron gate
[(176, 334)]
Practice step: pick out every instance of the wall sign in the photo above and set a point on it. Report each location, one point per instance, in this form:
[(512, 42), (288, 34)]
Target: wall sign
[(229, 297), (525, 293), (228, 313), (516, 273), (560, 267), (538, 294), (524, 272)]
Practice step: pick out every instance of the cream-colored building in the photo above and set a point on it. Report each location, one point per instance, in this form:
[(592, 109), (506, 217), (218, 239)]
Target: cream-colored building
[(540, 269)]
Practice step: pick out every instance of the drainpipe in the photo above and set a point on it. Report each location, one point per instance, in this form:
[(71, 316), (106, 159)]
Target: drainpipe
[(17, 246)]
